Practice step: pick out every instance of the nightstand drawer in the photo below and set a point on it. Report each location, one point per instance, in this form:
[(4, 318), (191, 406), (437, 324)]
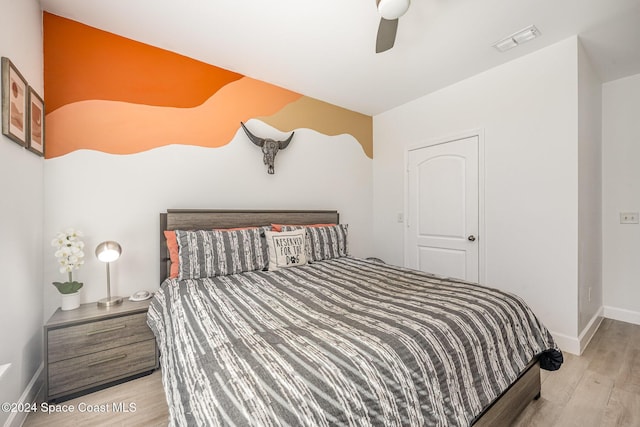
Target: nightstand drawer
[(97, 336), (95, 369)]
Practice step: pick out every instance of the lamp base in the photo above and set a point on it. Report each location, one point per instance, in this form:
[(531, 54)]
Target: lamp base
[(109, 302)]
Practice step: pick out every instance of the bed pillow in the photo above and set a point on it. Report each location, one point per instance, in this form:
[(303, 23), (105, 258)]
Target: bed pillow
[(278, 227), (209, 253), (286, 248), (172, 247), (174, 257), (326, 242)]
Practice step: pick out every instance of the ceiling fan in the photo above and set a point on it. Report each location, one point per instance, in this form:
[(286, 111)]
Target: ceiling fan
[(390, 11)]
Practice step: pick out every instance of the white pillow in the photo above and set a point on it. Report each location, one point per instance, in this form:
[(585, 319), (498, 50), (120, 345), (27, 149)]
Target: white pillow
[(286, 248)]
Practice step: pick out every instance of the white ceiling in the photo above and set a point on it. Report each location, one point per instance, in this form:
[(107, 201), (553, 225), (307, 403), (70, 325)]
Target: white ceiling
[(325, 48)]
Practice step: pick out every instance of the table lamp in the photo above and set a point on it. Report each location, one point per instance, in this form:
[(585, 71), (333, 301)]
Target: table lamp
[(108, 252)]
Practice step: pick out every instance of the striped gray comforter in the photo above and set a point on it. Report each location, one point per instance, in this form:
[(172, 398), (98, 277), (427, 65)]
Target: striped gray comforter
[(340, 342)]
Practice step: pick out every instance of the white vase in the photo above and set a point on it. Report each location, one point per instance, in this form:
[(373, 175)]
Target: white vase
[(70, 301)]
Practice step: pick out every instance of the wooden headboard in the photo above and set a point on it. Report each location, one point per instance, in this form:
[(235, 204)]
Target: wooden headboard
[(200, 219)]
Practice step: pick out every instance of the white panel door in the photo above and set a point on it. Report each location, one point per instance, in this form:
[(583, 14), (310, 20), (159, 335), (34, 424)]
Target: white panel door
[(442, 202)]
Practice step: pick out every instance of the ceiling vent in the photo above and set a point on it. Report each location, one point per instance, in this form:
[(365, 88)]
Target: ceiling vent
[(517, 38)]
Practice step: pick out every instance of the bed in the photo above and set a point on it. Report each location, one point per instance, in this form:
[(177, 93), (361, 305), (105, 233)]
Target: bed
[(339, 341)]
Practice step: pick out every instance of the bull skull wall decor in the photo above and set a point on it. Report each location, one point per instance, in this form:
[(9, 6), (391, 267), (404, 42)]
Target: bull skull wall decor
[(270, 147)]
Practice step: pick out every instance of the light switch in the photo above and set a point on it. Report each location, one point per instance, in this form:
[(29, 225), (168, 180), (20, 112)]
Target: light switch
[(628, 217)]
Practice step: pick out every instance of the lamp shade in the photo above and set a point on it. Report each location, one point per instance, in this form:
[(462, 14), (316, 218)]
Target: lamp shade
[(393, 9), (108, 251)]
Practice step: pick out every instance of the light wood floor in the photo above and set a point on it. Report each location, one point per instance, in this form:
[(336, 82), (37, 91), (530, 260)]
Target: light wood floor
[(601, 388), (145, 393)]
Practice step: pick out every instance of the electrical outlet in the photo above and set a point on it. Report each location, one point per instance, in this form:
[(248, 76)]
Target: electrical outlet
[(400, 217), (589, 293), (628, 217)]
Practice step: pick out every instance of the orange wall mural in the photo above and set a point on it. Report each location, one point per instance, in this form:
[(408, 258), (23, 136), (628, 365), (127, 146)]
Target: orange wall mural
[(108, 93)]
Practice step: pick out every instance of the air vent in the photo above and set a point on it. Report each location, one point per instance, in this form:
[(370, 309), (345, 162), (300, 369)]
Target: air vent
[(517, 38)]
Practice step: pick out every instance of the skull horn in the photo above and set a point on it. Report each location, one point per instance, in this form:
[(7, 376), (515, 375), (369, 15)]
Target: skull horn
[(285, 143), (258, 141)]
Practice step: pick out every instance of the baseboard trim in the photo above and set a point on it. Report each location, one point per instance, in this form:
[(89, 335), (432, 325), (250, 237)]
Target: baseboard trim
[(576, 345), (591, 329), (622, 315), (567, 343), (29, 395)]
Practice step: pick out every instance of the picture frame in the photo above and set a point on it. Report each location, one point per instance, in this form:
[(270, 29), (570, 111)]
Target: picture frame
[(35, 120), (14, 103)]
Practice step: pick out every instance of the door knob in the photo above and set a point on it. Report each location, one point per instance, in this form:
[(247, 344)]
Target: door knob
[(471, 238)]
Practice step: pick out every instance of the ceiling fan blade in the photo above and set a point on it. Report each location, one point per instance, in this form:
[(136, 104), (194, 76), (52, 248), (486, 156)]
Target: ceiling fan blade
[(386, 34)]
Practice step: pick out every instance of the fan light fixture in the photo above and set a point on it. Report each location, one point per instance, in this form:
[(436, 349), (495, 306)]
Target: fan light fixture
[(108, 252), (393, 9), (517, 38), (390, 11)]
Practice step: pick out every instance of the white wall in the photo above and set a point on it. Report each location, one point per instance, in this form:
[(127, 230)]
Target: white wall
[(22, 213), (589, 192), (119, 197), (529, 113), (621, 193)]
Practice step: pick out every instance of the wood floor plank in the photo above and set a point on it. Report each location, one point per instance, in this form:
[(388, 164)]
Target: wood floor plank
[(143, 399), (628, 378), (560, 385), (587, 404), (539, 413), (623, 410)]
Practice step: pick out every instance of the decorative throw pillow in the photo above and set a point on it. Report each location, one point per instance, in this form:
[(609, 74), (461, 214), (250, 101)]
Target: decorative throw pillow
[(209, 253), (325, 242), (286, 249), (172, 247), (307, 243)]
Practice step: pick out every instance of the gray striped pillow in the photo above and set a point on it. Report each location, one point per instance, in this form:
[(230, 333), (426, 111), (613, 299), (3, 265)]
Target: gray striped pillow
[(209, 253), (326, 242)]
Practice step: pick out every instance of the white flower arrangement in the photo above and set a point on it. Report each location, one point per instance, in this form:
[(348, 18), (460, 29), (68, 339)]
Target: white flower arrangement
[(70, 257)]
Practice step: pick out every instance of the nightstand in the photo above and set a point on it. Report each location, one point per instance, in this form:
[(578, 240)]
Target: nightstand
[(93, 347)]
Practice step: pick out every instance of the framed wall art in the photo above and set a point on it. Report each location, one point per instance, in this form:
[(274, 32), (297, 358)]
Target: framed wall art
[(35, 119), (14, 103)]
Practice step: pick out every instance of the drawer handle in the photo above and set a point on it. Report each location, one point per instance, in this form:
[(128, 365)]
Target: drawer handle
[(102, 331), (107, 360)]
